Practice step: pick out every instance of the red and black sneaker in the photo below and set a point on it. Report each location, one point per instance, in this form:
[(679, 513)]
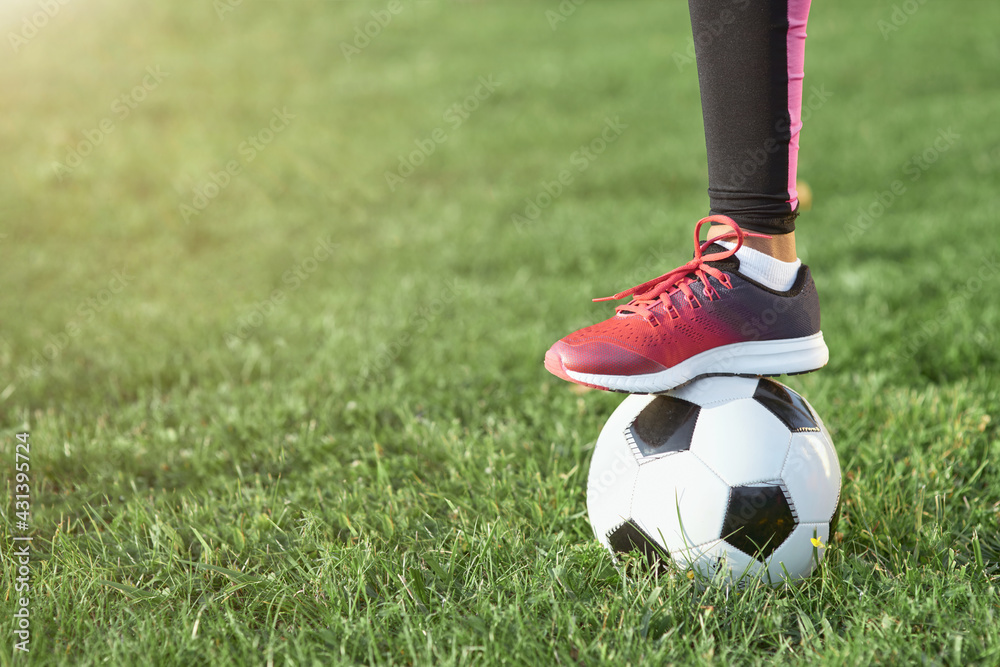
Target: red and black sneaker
[(703, 318)]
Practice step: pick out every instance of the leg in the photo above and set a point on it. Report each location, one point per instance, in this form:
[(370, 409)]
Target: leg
[(750, 67), (744, 305)]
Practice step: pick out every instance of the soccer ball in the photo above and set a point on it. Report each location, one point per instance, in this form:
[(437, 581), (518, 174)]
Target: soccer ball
[(732, 478)]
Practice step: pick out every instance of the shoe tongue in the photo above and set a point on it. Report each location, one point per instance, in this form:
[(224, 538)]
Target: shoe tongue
[(729, 264)]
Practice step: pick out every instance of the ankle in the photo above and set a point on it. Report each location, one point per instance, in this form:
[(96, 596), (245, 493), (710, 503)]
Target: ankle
[(778, 246)]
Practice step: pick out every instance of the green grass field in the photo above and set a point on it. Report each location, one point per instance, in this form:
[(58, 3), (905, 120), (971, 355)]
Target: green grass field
[(286, 410)]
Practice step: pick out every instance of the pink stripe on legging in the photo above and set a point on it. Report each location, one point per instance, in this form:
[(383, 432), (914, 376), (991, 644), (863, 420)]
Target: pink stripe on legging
[(795, 44)]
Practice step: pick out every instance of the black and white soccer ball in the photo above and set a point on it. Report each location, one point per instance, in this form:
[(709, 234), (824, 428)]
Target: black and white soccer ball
[(730, 477)]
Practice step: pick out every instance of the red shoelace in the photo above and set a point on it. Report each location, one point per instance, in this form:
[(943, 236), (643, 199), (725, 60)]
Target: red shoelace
[(648, 293)]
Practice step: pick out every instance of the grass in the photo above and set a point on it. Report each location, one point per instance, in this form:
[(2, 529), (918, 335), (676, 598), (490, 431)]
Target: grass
[(250, 449)]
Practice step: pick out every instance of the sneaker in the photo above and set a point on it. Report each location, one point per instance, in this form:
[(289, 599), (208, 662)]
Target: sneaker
[(703, 318)]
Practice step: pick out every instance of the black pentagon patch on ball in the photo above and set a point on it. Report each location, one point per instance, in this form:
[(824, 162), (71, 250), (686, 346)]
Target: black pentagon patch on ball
[(786, 405), (758, 519), (629, 537), (665, 425)]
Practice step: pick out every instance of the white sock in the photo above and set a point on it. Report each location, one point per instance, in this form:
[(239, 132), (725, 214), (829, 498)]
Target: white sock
[(766, 270)]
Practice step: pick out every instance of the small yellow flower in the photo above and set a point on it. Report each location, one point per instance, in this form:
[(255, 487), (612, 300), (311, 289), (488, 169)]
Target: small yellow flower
[(690, 574), (817, 542)]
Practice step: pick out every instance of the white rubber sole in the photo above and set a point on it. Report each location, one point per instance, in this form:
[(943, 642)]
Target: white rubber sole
[(765, 357)]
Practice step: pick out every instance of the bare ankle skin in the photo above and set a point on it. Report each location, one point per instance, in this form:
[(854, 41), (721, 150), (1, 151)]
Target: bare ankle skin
[(781, 247)]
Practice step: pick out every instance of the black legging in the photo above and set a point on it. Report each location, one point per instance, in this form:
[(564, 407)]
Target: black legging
[(750, 55)]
